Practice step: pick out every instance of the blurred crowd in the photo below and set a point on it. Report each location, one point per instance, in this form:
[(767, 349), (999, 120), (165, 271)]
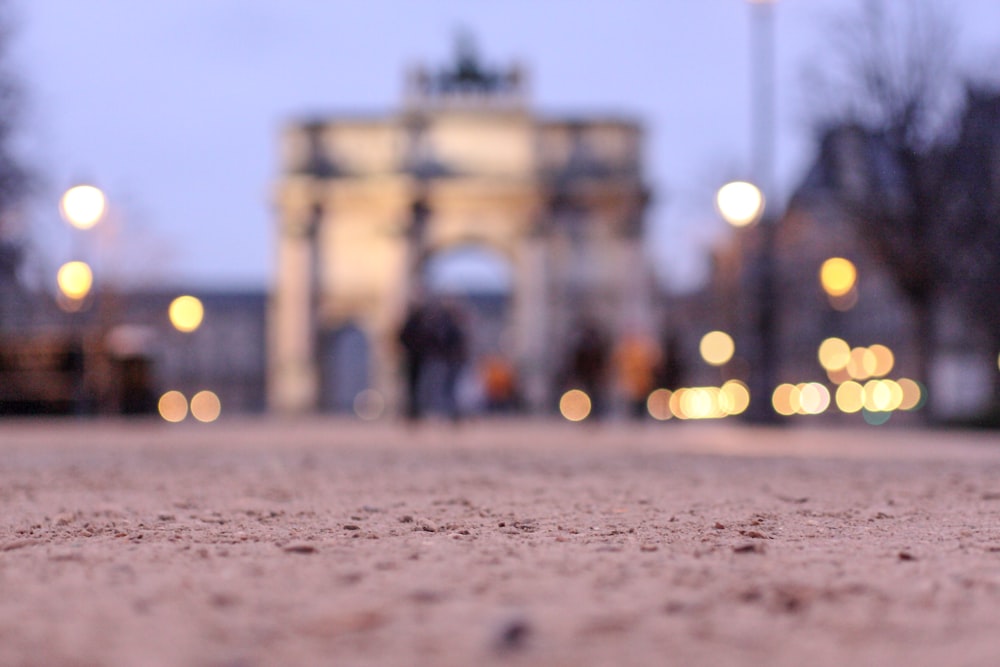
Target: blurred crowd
[(443, 377)]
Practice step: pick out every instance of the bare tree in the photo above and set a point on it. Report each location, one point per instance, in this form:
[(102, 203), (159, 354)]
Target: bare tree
[(882, 154), (891, 68), (15, 178), (972, 216), (915, 166)]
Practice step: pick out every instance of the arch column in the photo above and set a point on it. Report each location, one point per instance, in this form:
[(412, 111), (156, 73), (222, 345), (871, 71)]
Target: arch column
[(293, 374), (531, 322)]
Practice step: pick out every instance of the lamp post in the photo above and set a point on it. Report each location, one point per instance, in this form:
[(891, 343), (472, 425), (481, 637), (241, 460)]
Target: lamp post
[(745, 204), (186, 314), (82, 207)]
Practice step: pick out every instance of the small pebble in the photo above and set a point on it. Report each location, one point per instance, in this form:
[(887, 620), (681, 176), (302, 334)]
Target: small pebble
[(748, 549), (755, 534), (513, 635), (299, 548)]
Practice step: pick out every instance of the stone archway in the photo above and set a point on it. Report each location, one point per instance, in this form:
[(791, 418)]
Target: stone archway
[(362, 202)]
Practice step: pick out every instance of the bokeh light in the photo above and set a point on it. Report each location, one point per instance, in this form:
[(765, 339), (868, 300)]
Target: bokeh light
[(784, 398), (734, 398), (717, 348), (369, 405), (75, 279), (731, 399), (862, 364), (837, 276), (575, 405), (913, 394), (850, 397), (186, 313), (813, 399), (895, 394), (834, 354), (173, 406), (701, 403), (658, 404), (884, 360), (876, 418), (839, 376), (82, 206), (876, 396), (676, 399), (883, 396), (740, 203), (206, 406)]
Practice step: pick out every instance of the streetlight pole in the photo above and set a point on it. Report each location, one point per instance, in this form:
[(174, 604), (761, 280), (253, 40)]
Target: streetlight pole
[(82, 207), (763, 80), (744, 204), (763, 110), (186, 314)]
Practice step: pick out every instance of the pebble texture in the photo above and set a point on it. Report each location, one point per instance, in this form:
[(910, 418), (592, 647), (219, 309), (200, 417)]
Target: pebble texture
[(321, 542)]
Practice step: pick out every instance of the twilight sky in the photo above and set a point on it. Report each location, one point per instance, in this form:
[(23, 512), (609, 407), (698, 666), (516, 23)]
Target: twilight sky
[(173, 106)]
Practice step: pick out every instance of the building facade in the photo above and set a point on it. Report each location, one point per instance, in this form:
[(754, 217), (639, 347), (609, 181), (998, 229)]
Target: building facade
[(116, 352)]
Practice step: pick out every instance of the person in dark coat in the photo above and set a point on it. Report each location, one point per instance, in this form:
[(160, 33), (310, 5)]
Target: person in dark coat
[(444, 354), (588, 364), (414, 339)]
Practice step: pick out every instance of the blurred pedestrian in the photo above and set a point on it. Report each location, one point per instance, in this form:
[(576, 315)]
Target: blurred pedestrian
[(452, 349), (588, 362), (499, 384), (669, 373), (434, 353), (636, 357), (413, 338)]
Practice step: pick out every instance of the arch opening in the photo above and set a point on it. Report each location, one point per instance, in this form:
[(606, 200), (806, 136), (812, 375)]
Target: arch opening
[(344, 368), (476, 282)]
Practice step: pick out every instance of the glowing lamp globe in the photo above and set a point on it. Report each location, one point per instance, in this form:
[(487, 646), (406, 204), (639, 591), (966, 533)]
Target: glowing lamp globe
[(837, 276), (717, 348), (740, 203), (186, 313), (82, 206), (75, 280)]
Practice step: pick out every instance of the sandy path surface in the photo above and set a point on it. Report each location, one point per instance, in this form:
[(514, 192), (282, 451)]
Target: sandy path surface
[(325, 543)]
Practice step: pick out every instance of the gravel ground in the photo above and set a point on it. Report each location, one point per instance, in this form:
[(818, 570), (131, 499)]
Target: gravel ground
[(253, 543)]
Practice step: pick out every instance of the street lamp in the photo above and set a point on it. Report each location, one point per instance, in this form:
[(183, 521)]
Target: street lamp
[(742, 204), (82, 206), (75, 280), (837, 276), (717, 348), (186, 313)]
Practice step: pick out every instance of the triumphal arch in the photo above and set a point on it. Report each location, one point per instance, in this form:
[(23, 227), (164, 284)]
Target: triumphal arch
[(363, 202)]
